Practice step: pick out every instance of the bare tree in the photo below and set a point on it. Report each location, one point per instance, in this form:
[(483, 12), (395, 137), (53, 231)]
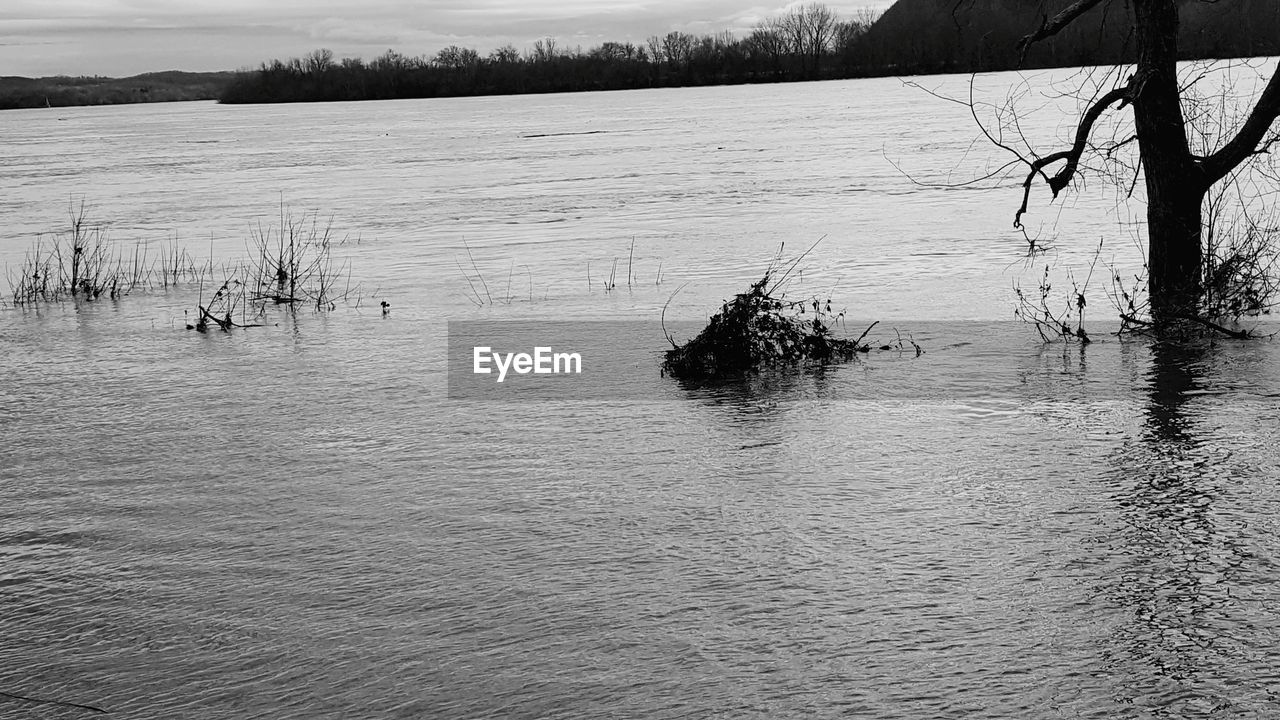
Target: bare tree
[(390, 62), (819, 32), (654, 44), (614, 52), (545, 50), (318, 61), (810, 29), (457, 58), (505, 55), (677, 48), (1177, 178), (768, 41)]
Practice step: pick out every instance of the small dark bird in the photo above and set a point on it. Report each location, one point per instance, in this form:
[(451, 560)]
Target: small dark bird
[(386, 307)]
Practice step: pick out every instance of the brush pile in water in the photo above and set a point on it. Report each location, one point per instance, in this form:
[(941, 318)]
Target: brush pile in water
[(757, 331)]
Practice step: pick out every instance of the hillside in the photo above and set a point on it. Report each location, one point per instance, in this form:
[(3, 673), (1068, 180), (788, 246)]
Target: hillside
[(21, 92), (926, 36)]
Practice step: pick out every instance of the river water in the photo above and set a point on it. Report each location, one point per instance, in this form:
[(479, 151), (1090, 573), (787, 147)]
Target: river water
[(298, 521)]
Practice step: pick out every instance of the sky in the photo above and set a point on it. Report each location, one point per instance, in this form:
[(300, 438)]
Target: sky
[(125, 37)]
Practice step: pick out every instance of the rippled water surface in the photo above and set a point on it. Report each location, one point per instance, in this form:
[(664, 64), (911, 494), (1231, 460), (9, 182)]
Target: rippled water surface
[(294, 521)]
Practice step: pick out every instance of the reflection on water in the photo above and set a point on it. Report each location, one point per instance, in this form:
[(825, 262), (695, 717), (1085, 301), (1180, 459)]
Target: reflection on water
[(1188, 644)]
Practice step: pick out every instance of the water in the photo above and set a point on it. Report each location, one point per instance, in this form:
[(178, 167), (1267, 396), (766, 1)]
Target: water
[(294, 520)]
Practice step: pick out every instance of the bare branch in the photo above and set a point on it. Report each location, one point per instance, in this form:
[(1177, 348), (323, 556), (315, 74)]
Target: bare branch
[(996, 174), (1111, 149), (1071, 157), (1052, 26), (1246, 142)]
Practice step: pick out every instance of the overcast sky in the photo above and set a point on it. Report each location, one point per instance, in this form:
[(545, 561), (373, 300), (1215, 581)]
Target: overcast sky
[(126, 37)]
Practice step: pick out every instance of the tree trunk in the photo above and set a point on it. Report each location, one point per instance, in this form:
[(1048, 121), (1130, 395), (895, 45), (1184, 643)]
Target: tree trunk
[(1174, 254), (1176, 184)]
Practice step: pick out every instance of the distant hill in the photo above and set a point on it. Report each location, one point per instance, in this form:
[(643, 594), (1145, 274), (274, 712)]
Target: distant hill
[(930, 36), (61, 91)]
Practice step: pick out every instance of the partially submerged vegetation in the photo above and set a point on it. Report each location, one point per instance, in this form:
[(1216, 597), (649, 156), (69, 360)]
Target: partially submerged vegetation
[(1240, 277), (761, 329), (80, 264), (757, 330), (291, 265), (1241, 266), (480, 293)]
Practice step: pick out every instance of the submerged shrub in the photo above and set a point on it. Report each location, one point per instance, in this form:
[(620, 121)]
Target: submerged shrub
[(292, 265), (761, 329), (80, 264), (1241, 269)]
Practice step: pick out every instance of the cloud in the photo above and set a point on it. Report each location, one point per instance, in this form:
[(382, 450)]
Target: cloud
[(344, 31)]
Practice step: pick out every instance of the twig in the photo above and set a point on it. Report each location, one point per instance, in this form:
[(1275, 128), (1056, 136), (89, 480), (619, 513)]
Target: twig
[(778, 283), (864, 333), (630, 254), (477, 270), (662, 319), (476, 299), (1236, 334)]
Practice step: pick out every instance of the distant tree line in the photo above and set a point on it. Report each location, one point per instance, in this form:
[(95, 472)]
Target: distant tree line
[(808, 42), (20, 92)]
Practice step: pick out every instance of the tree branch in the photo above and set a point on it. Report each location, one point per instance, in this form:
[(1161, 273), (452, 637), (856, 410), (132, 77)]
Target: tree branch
[(1052, 26), (1063, 177), (1237, 334), (1245, 143)]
